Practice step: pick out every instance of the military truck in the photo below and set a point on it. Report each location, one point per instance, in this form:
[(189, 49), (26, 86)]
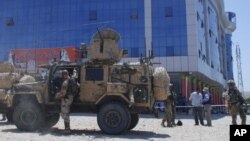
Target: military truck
[(117, 92)]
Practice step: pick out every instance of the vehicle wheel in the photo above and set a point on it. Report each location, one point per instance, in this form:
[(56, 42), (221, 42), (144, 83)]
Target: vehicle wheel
[(113, 118), (134, 120), (28, 116), (51, 120)]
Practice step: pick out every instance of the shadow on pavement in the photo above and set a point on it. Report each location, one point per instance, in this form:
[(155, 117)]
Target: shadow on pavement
[(94, 133), (14, 130), (100, 134)]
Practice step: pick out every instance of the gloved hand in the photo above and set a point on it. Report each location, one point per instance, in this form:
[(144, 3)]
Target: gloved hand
[(58, 95)]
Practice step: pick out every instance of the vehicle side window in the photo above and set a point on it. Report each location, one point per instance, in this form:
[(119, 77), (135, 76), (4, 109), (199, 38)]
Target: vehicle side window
[(94, 74), (57, 79)]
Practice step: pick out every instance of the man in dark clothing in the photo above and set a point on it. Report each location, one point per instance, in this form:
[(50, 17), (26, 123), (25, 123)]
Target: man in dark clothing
[(207, 101)]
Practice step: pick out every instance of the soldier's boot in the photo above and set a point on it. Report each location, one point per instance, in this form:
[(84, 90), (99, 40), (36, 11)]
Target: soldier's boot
[(67, 127), (234, 118), (169, 124), (243, 120), (163, 123), (173, 123)]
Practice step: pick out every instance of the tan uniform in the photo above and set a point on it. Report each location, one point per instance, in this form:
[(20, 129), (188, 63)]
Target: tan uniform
[(235, 103), (171, 99), (168, 113), (66, 100)]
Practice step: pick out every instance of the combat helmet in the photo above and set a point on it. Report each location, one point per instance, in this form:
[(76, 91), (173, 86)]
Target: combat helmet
[(65, 72), (231, 82)]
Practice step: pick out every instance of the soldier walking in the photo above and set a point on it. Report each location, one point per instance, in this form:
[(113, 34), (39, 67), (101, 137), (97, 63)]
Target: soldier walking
[(235, 103), (66, 98)]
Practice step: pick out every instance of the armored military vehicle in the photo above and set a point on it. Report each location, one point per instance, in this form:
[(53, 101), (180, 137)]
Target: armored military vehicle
[(118, 92)]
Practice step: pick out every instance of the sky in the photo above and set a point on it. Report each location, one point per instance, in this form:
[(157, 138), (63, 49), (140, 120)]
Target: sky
[(241, 36)]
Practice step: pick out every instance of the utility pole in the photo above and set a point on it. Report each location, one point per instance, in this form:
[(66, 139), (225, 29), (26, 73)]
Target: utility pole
[(239, 69)]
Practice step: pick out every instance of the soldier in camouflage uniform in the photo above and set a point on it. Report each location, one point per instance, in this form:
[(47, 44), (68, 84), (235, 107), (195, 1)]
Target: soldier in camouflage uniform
[(169, 104), (168, 113), (172, 99), (66, 100), (235, 103)]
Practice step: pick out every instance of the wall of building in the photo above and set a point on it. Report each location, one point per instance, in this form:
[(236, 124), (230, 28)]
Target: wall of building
[(60, 23), (186, 36)]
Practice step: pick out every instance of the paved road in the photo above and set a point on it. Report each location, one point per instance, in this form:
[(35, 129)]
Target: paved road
[(85, 128)]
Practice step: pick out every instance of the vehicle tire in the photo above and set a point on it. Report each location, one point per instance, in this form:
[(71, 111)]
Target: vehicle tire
[(51, 120), (134, 120), (28, 116), (113, 118)]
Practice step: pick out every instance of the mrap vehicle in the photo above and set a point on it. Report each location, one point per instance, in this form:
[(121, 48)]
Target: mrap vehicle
[(117, 91)]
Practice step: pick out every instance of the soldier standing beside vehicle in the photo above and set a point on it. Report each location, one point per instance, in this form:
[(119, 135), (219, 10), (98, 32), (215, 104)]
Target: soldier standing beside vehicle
[(172, 98), (235, 103), (66, 97), (170, 111)]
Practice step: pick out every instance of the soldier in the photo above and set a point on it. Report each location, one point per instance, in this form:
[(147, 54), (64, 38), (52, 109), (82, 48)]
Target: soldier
[(168, 113), (172, 99), (66, 98), (169, 109), (235, 103)]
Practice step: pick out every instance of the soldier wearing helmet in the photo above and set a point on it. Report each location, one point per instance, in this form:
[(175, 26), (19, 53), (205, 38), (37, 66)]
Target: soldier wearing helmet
[(66, 100), (235, 102)]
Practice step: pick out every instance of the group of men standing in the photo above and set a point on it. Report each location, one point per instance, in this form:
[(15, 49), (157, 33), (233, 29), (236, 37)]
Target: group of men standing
[(201, 102)]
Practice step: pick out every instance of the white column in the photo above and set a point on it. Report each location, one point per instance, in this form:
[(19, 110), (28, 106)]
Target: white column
[(148, 25)]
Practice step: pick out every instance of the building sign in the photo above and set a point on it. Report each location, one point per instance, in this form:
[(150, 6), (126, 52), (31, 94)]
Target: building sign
[(29, 59)]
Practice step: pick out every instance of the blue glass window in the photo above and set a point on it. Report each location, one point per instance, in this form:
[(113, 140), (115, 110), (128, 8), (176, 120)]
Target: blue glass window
[(134, 14), (9, 21), (168, 12), (135, 52), (92, 15)]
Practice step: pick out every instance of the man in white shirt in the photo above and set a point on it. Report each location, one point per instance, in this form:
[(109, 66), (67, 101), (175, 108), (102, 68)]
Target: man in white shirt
[(196, 101)]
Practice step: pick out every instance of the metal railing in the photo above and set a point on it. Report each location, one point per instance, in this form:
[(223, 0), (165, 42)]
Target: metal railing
[(216, 109)]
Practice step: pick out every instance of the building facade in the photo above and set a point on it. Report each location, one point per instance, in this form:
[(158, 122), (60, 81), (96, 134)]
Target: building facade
[(191, 38)]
